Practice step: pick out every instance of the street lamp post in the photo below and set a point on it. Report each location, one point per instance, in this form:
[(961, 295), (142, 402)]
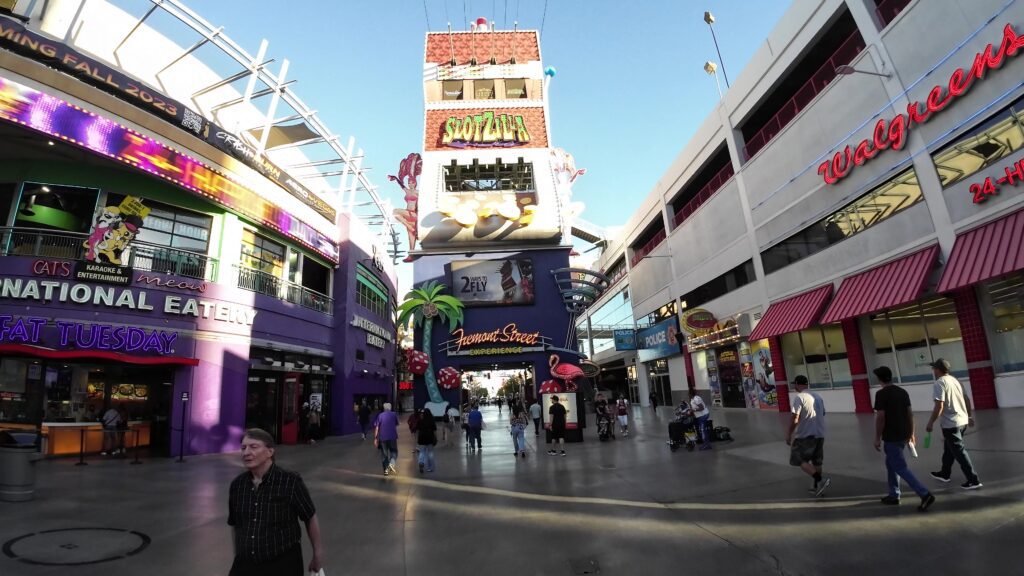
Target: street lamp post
[(710, 19)]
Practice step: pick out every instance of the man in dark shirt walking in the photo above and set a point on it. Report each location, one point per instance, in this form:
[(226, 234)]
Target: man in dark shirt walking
[(894, 429), (265, 504), (558, 420)]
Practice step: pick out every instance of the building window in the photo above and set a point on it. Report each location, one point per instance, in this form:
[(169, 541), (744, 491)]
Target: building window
[(483, 90), (819, 353), (1007, 299), (259, 253), (498, 177), (171, 226), (54, 207), (909, 338), (879, 204), (7, 192), (993, 140), (360, 355), (451, 90), (731, 280), (664, 313), (371, 293), (515, 88)]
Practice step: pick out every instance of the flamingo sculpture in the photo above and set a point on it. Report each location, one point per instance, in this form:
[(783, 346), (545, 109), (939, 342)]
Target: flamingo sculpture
[(565, 372)]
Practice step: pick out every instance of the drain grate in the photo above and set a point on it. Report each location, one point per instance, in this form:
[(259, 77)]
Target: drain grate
[(584, 566)]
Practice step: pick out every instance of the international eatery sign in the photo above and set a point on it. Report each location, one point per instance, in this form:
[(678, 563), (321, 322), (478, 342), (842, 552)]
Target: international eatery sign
[(892, 133), (376, 335)]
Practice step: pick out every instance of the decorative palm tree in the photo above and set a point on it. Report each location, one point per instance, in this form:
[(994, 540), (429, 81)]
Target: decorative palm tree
[(424, 304)]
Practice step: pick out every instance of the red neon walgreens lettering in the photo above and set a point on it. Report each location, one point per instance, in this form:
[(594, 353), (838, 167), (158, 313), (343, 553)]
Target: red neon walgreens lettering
[(893, 133)]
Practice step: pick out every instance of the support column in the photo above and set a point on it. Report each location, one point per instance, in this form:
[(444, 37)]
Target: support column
[(642, 383), (688, 359), (779, 372), (858, 368), (976, 350)]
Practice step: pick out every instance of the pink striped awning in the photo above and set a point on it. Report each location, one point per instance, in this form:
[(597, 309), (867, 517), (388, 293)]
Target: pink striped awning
[(792, 314), (886, 286), (986, 252)]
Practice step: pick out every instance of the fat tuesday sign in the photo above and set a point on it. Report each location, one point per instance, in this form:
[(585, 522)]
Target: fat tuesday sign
[(893, 133), (485, 129), (28, 330)]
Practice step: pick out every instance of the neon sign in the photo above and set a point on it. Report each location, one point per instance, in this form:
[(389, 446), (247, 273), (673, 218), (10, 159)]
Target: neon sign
[(55, 117), (509, 334), (893, 133), (88, 336), (486, 129)]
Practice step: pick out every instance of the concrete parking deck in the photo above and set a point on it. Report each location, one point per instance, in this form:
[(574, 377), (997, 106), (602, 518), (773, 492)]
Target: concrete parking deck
[(624, 507)]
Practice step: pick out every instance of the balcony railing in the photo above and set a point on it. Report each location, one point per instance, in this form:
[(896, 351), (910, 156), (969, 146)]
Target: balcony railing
[(648, 248), (705, 194), (139, 255), (888, 10), (845, 54), (270, 285)]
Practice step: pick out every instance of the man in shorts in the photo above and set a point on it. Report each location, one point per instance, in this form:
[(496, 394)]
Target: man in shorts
[(558, 415), (807, 434)]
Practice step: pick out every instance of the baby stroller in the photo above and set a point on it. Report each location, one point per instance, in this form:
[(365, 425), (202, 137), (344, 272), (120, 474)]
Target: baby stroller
[(683, 431), (605, 427)]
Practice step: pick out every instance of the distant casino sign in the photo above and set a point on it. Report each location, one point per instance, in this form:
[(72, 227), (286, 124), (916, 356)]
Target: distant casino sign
[(485, 129), (698, 321)]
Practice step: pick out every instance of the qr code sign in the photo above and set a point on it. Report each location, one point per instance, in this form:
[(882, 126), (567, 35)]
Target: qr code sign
[(192, 121)]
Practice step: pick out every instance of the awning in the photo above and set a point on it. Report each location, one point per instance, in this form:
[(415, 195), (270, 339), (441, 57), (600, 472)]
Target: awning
[(40, 352), (886, 286), (992, 250), (792, 314)]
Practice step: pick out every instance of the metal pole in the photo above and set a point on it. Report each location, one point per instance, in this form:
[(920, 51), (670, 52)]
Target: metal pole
[(720, 61), (136, 461), (81, 448), (181, 437)]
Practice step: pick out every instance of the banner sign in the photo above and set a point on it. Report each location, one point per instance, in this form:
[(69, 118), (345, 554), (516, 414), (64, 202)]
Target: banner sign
[(493, 282), (20, 39), (59, 119), (624, 339), (658, 341), (486, 129)]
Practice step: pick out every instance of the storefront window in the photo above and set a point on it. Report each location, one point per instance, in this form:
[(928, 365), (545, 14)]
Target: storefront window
[(484, 89), (916, 335), (259, 253), (515, 88), (173, 227), (451, 90), (819, 353), (1007, 299)]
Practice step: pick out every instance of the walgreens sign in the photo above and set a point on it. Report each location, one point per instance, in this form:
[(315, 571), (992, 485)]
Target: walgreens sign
[(892, 133)]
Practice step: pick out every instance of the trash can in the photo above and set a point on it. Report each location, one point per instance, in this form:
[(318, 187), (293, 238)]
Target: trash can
[(17, 473)]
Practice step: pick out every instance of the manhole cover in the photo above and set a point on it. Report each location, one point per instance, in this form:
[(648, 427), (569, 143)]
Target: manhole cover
[(76, 546), (584, 566)]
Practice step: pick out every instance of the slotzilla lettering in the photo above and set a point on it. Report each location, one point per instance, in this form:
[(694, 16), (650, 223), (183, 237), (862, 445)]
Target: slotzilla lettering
[(893, 133)]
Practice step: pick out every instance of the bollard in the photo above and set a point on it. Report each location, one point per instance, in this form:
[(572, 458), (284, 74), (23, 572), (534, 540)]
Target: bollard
[(81, 448), (136, 461)]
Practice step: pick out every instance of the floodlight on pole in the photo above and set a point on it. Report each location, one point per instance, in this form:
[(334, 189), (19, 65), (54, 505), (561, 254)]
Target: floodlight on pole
[(712, 69), (710, 19), (846, 70)]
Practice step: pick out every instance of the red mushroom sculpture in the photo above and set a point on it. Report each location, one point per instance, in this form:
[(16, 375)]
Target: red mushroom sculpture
[(418, 362), (550, 387), (564, 372), (449, 378)]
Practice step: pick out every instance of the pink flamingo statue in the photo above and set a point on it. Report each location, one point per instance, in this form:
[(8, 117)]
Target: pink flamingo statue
[(565, 372)]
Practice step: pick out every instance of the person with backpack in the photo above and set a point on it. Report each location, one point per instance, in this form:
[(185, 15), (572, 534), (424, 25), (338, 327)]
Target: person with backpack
[(703, 414), (622, 412), (426, 438)]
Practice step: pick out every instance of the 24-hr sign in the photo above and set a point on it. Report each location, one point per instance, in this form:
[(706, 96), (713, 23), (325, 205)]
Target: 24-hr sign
[(893, 133)]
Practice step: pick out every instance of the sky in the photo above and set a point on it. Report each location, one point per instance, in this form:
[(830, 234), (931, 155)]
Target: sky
[(628, 94)]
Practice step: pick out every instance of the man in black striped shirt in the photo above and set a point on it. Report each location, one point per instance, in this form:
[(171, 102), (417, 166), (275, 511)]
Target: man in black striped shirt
[(264, 506)]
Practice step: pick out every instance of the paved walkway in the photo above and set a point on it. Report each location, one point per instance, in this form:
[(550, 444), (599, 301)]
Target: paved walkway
[(625, 507)]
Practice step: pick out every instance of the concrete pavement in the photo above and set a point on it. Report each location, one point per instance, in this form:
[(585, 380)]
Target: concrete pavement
[(624, 507)]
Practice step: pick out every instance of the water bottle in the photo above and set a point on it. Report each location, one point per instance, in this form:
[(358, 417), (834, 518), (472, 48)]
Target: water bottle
[(913, 449), (928, 440)]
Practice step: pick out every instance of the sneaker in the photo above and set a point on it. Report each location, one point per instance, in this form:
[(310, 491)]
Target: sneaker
[(972, 485), (894, 500), (822, 486), (563, 453), (552, 452), (421, 468), (524, 454), (813, 489), (430, 469), (938, 476), (386, 472), (705, 447), (926, 501), (392, 468), (103, 453)]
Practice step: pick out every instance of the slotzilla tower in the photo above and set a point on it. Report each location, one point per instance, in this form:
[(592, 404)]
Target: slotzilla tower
[(492, 222)]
